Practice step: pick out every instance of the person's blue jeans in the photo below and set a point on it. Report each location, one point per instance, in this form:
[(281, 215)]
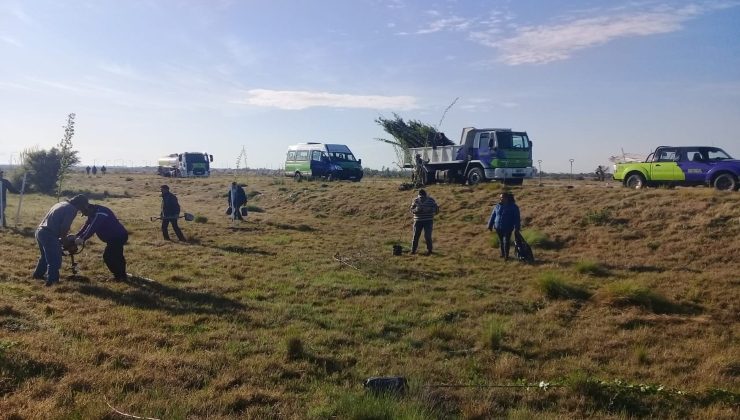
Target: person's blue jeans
[(50, 260), (504, 241), (426, 226)]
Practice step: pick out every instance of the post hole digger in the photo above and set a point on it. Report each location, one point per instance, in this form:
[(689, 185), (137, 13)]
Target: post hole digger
[(71, 246)]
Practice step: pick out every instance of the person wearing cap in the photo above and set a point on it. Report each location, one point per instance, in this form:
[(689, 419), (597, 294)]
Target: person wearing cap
[(5, 186), (423, 209), (237, 199), (505, 219), (49, 234), (102, 221), (170, 213)]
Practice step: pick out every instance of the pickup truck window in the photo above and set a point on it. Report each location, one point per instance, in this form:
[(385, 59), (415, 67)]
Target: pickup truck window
[(694, 155), (667, 155)]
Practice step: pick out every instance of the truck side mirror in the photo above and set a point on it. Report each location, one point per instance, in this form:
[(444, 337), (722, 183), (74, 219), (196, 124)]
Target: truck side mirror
[(359, 161), (210, 157)]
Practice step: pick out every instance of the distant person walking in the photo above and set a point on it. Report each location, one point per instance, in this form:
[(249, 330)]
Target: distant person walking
[(423, 209), (505, 219), (5, 185), (170, 213), (87, 170), (94, 170), (103, 169), (237, 199), (102, 221), (52, 229)]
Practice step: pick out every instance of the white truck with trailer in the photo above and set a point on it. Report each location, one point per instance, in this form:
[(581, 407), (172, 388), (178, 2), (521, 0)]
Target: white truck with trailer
[(185, 165)]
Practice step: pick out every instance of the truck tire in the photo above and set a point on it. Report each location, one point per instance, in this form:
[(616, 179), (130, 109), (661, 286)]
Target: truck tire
[(725, 182), (635, 181), (475, 176), (298, 177)]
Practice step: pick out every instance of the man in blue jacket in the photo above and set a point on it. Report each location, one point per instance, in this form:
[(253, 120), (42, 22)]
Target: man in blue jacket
[(102, 221), (237, 199), (5, 185), (505, 219)]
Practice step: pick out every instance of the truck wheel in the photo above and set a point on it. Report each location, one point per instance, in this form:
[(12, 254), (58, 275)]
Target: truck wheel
[(475, 176), (298, 177), (725, 182), (635, 181)]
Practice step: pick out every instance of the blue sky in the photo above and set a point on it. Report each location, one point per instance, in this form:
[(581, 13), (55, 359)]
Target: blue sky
[(585, 79)]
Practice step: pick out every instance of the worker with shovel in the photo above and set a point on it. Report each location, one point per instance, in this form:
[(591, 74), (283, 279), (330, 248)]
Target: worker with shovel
[(423, 208), (170, 213), (102, 221), (53, 227)]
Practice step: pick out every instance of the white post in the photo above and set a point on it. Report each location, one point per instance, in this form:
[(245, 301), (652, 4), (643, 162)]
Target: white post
[(20, 200)]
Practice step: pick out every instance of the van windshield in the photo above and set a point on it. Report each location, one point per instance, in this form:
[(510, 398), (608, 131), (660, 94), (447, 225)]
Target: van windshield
[(509, 140), (339, 156)]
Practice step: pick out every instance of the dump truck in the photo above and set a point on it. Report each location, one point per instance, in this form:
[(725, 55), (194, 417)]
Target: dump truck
[(185, 165), (483, 154)]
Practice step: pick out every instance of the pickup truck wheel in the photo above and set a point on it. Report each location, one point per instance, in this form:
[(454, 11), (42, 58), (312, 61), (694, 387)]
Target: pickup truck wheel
[(635, 181), (475, 176), (298, 177), (725, 182)]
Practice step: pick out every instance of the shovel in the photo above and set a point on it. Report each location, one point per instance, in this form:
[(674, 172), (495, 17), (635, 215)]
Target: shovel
[(187, 216)]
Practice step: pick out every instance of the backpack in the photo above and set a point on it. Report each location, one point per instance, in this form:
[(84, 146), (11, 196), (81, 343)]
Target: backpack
[(522, 250)]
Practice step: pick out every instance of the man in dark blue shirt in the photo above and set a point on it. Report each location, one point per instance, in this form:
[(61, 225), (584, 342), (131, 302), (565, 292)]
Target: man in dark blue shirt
[(102, 221), (5, 185)]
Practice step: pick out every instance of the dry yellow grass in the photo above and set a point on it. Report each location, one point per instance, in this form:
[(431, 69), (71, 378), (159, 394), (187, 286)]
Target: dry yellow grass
[(259, 319)]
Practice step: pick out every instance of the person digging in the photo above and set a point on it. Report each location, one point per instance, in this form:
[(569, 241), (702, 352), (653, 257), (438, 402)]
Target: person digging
[(101, 221)]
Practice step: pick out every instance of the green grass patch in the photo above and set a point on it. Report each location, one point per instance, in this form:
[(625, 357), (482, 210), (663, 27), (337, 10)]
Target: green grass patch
[(629, 293), (555, 287), (377, 407), (591, 268), (598, 217)]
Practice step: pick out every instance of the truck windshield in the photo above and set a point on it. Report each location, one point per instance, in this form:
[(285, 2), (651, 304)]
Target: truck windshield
[(339, 156), (717, 154), (195, 157), (509, 140)]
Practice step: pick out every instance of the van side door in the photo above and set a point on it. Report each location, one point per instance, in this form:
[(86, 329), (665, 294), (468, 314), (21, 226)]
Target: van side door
[(319, 166)]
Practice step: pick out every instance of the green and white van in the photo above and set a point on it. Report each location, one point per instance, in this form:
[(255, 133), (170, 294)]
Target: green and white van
[(319, 160)]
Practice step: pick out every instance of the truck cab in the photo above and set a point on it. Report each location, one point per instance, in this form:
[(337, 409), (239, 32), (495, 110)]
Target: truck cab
[(483, 154)]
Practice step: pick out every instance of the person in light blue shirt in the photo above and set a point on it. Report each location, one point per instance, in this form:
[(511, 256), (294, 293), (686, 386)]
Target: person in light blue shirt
[(505, 219)]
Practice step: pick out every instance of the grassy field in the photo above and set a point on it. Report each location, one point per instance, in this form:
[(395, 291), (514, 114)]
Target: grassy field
[(630, 311)]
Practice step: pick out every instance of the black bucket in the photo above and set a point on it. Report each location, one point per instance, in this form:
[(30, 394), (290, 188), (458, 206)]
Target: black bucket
[(397, 249)]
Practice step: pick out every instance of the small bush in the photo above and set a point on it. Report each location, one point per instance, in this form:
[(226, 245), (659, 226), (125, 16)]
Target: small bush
[(255, 209), (555, 287), (592, 268), (201, 219)]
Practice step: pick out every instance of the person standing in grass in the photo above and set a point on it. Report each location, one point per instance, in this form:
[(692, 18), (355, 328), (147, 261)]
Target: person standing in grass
[(423, 209), (51, 230), (170, 213), (102, 221), (505, 219), (5, 186), (237, 199)]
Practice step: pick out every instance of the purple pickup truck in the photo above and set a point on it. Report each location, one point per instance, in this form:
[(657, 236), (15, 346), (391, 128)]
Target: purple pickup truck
[(694, 165)]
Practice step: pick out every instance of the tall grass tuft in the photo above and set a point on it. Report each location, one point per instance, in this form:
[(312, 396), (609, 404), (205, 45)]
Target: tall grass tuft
[(294, 347), (598, 217), (554, 287), (495, 332), (377, 407), (592, 268), (629, 293)]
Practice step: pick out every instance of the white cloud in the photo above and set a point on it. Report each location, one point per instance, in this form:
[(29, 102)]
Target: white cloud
[(125, 71), (453, 23), (547, 43), (295, 100)]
